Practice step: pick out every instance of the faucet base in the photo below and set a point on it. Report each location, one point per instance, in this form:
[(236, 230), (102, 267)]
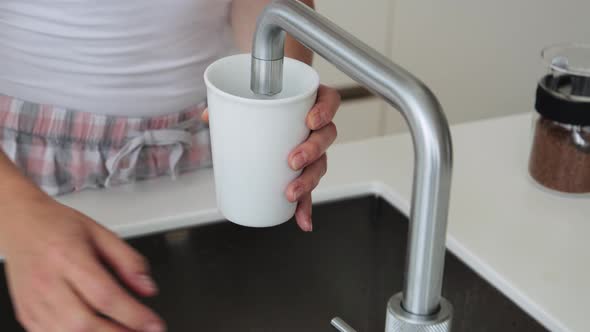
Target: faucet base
[(399, 320)]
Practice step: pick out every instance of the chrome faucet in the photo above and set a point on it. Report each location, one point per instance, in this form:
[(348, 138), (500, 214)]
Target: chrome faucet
[(420, 306)]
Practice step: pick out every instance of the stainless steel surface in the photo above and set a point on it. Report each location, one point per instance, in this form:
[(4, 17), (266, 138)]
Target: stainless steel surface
[(222, 277), (420, 108), (399, 320), (270, 75), (341, 325)]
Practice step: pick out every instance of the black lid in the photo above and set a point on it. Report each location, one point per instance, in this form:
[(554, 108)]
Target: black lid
[(554, 104)]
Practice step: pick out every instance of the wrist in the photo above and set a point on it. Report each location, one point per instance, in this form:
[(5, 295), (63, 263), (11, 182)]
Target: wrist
[(16, 207)]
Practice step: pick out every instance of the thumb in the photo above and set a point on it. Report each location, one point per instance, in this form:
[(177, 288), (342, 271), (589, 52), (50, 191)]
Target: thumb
[(131, 267), (205, 115)]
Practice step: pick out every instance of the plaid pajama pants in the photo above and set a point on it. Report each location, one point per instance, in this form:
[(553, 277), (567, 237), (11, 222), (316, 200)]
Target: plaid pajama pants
[(63, 150)]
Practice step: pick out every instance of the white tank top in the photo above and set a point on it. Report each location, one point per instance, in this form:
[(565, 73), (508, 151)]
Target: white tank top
[(118, 57)]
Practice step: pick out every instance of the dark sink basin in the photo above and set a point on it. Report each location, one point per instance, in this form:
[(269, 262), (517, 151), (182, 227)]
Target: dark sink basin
[(224, 277)]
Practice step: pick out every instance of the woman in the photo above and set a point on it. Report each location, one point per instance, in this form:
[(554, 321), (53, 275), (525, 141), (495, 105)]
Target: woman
[(79, 80)]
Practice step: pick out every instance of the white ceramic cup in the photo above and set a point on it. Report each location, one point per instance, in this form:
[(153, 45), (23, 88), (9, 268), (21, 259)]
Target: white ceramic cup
[(252, 136)]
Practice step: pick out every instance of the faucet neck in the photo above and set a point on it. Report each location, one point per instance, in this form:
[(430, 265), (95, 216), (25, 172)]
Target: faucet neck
[(420, 108)]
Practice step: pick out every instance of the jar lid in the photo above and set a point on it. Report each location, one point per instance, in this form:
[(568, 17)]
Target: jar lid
[(553, 104), (568, 58)]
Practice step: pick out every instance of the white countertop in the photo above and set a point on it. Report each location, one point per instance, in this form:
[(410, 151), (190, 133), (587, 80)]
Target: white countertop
[(529, 243)]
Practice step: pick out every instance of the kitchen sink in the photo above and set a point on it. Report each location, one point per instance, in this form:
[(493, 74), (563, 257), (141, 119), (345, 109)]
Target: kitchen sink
[(224, 277)]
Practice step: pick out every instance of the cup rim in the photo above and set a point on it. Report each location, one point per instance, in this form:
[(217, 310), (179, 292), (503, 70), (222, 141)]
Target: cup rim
[(279, 101)]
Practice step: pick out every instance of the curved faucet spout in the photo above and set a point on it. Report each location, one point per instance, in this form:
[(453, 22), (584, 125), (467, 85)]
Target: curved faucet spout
[(420, 108)]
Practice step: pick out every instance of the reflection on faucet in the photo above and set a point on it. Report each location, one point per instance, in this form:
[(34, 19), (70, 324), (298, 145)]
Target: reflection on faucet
[(420, 306)]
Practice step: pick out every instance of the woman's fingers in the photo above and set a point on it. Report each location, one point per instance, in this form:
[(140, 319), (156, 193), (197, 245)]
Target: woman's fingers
[(303, 213), (314, 147), (29, 294), (308, 180), (102, 293), (38, 319), (205, 115), (131, 267), (311, 154), (325, 108), (75, 315)]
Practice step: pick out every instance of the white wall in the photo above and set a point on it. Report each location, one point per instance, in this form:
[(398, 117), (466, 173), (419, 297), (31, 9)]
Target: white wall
[(370, 21), (482, 58)]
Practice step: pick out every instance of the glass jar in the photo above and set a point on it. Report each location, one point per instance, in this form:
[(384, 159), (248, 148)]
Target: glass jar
[(560, 154)]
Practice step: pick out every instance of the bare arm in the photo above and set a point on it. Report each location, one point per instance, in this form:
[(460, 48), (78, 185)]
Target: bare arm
[(13, 181), (14, 188), (243, 21)]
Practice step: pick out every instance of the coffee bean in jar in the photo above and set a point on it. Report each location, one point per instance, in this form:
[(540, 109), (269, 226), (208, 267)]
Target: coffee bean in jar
[(557, 162), (560, 154)]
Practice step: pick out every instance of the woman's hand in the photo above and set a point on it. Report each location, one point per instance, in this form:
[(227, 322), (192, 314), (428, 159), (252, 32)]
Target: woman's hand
[(54, 265), (311, 154)]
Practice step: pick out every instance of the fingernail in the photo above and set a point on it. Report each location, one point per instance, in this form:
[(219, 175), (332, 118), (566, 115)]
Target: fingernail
[(298, 161), (309, 226), (155, 327), (148, 283), (316, 120)]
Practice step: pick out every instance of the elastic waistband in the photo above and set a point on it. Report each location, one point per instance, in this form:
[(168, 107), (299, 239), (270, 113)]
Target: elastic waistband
[(64, 125)]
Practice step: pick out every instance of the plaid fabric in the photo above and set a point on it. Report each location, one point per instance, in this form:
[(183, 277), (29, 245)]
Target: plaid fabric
[(63, 150)]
